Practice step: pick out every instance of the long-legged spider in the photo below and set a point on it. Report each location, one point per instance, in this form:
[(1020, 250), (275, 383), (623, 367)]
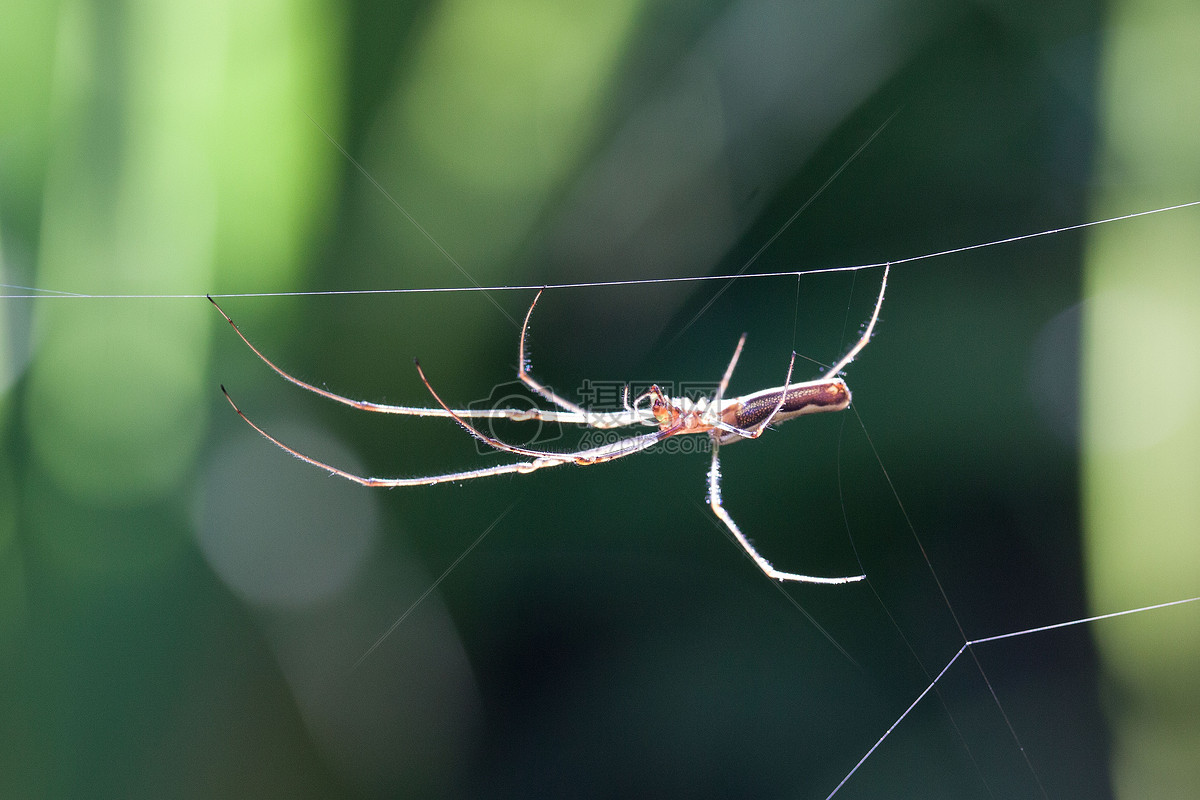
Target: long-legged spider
[(725, 422)]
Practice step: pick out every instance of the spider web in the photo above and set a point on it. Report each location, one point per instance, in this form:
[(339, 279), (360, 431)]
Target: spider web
[(938, 670), (997, 745)]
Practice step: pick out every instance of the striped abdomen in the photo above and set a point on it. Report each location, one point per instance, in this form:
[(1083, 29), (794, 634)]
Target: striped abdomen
[(805, 398)]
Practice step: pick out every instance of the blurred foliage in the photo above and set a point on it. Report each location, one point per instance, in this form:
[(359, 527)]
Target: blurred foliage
[(186, 611), (1143, 317)]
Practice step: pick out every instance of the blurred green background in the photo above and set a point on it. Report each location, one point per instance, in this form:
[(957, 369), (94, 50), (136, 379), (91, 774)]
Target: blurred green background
[(185, 610)]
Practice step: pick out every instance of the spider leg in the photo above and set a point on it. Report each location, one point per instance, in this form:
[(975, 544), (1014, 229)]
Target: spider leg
[(714, 502), (758, 429), (575, 416), (591, 419), (595, 455), (830, 379), (523, 373), (866, 337), (591, 455), (521, 467), (724, 384)]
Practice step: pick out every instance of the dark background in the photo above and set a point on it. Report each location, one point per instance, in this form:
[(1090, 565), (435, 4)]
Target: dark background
[(186, 611)]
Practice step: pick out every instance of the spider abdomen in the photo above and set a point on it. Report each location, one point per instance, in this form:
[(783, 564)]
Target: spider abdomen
[(804, 398)]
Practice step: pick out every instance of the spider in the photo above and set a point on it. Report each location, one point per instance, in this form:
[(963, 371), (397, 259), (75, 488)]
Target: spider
[(724, 420)]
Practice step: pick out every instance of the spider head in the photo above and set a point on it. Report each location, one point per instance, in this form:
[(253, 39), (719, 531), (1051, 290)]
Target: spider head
[(665, 412)]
